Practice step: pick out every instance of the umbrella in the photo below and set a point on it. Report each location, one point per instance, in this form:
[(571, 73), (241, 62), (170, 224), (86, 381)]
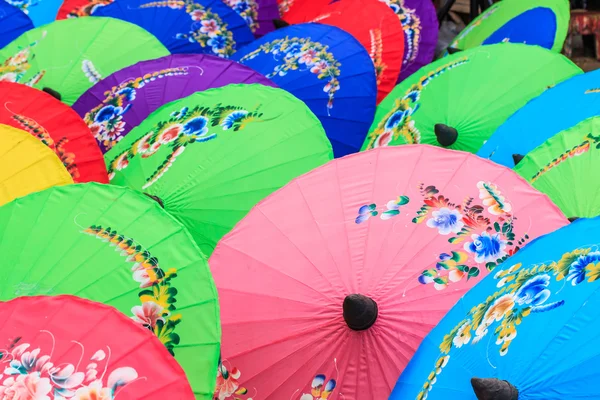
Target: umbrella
[(570, 102), (13, 22), (185, 26), (40, 12), (210, 157), (326, 68), (258, 14), (563, 167), (372, 23), (335, 275), (460, 100), (80, 8), (27, 165), (529, 330), (121, 101), (534, 22), (70, 56), (68, 347), (57, 126), (112, 245)]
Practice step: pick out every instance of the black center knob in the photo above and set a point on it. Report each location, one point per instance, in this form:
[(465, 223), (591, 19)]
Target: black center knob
[(360, 312), (52, 93), (446, 135), (517, 158), (494, 389), (156, 199)]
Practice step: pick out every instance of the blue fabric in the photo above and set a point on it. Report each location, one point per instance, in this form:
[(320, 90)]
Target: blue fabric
[(292, 58), (552, 289), (13, 22), (173, 26), (41, 12), (535, 27), (555, 110)]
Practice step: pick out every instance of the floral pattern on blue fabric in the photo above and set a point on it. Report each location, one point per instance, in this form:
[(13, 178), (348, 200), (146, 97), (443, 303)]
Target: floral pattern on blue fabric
[(248, 10)]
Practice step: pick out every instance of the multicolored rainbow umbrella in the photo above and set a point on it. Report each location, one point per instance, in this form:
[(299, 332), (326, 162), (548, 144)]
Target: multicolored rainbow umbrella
[(66, 347), (210, 157), (455, 102), (115, 246), (326, 68), (70, 56), (185, 26), (13, 23), (534, 22), (121, 101), (27, 165), (57, 126), (328, 286)]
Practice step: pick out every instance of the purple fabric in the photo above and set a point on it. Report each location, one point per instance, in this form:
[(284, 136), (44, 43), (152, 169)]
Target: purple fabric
[(268, 10), (175, 77), (424, 11)]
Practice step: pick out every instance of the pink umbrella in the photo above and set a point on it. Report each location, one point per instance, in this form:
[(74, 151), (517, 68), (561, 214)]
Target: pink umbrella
[(328, 286)]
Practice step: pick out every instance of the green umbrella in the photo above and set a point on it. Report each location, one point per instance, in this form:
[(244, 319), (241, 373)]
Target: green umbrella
[(113, 245), (69, 56), (210, 157), (565, 168), (535, 22), (458, 101)]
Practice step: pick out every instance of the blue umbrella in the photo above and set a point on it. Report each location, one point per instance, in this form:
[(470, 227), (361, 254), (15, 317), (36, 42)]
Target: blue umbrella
[(13, 22), (326, 68), (557, 109), (41, 12), (185, 26), (527, 331)]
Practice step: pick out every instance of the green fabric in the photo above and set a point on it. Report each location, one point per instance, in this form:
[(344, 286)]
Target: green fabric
[(565, 167), (473, 91), (212, 156), (52, 243), (69, 56), (503, 11)]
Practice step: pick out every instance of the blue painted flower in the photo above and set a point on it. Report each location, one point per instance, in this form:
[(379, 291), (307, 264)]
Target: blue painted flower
[(196, 127), (128, 93), (232, 118), (446, 221), (241, 7), (486, 247), (365, 212), (577, 269), (394, 120), (217, 42), (534, 292), (107, 113)]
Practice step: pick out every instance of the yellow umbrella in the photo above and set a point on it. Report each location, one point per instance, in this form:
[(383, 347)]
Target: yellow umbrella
[(27, 165)]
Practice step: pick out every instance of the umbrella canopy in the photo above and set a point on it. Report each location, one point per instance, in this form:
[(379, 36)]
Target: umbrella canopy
[(80, 8), (27, 165), (68, 347), (372, 23), (459, 101), (13, 23), (185, 26), (210, 157), (40, 12), (68, 56), (532, 323), (258, 14), (121, 101), (118, 247), (530, 126), (564, 166), (57, 126), (344, 287), (534, 22), (326, 68)]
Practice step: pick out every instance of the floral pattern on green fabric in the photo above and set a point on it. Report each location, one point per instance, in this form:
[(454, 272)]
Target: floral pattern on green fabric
[(14, 68), (184, 128), (521, 292), (157, 312), (301, 54), (398, 121)]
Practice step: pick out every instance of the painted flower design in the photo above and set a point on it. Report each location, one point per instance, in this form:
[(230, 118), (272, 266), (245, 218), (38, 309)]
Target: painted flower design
[(209, 27), (463, 336), (233, 118), (383, 140), (365, 212), (493, 199), (228, 383), (486, 247), (170, 134), (25, 387), (197, 15), (247, 9), (581, 265), (446, 221), (148, 314), (320, 388)]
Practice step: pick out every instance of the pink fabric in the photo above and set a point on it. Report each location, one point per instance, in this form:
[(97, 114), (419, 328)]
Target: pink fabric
[(284, 271)]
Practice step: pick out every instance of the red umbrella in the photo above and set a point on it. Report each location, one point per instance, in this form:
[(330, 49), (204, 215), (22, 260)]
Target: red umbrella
[(372, 23), (65, 347), (57, 126)]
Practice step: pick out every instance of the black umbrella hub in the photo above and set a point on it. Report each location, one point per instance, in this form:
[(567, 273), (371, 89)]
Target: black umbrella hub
[(360, 312)]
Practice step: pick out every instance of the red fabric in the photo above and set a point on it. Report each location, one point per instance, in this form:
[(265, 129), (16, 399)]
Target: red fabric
[(57, 126), (79, 8), (55, 346), (371, 22)]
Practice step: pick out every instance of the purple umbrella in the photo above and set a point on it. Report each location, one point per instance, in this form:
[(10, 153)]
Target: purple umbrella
[(121, 101), (419, 21), (258, 14)]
